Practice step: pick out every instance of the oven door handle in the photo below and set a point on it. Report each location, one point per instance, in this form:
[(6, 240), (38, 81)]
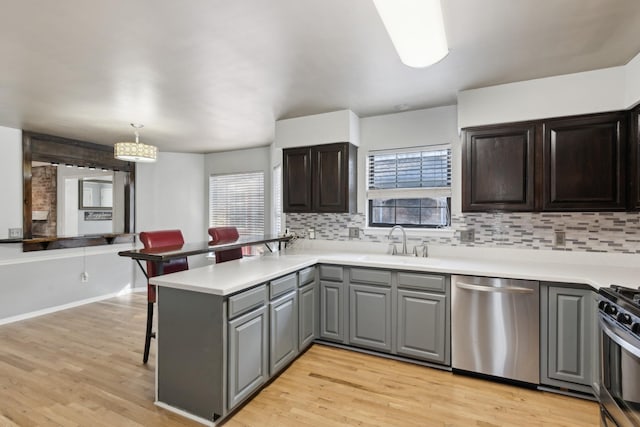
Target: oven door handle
[(621, 338)]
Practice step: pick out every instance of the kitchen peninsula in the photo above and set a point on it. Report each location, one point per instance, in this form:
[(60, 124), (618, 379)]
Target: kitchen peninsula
[(240, 323)]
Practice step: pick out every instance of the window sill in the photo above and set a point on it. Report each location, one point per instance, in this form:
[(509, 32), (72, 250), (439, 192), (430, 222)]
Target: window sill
[(435, 232)]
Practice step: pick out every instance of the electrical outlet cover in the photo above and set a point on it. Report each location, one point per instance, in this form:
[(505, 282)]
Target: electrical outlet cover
[(560, 238), (15, 233), (467, 236), (354, 232)]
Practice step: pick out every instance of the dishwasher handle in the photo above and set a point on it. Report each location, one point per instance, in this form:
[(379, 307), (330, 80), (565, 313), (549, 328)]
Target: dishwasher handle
[(504, 290)]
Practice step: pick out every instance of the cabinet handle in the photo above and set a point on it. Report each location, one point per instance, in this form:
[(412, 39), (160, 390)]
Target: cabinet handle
[(504, 290)]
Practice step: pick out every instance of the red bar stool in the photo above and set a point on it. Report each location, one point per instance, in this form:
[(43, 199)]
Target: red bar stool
[(157, 239), (225, 235)]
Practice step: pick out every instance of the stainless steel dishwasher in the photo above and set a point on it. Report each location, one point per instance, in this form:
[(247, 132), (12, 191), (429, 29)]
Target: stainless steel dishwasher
[(495, 327)]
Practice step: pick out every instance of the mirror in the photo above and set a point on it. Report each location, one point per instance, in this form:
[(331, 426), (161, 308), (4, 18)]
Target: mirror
[(95, 193), (76, 194)]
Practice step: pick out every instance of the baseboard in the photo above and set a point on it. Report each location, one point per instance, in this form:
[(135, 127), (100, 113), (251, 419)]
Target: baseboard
[(50, 310)]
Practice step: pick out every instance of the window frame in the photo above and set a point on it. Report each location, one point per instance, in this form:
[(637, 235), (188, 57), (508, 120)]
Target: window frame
[(413, 192)]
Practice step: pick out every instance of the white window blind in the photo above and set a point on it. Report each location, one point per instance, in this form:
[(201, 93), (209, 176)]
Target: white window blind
[(424, 172), (277, 200), (237, 200), (410, 187)]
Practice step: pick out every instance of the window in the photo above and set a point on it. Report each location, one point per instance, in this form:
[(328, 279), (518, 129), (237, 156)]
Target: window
[(237, 200), (410, 187), (276, 197)]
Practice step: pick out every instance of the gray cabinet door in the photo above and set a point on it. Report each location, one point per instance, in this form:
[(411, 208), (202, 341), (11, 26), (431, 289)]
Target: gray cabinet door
[(570, 335), (248, 347), (307, 315), (331, 311), (283, 316), (370, 317), (422, 325)]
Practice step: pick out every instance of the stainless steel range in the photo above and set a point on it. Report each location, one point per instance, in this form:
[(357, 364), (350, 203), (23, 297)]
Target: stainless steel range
[(619, 318)]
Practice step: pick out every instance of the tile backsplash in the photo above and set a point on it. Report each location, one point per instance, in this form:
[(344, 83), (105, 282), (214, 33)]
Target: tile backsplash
[(617, 232)]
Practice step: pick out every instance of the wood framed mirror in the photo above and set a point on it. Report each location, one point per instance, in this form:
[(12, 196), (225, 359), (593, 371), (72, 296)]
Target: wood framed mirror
[(75, 194)]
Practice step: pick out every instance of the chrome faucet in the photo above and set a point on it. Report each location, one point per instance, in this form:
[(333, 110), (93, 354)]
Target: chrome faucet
[(404, 237)]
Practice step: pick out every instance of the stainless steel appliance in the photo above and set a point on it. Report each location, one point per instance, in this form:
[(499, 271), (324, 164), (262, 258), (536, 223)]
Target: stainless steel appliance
[(619, 388), (495, 327)]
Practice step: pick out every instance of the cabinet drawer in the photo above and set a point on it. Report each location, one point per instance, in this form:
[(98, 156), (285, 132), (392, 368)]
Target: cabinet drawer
[(307, 275), (422, 281), (366, 275), (282, 285), (247, 300), (331, 272)]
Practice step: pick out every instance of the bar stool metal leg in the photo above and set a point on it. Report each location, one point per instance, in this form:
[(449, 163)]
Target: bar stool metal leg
[(149, 334)]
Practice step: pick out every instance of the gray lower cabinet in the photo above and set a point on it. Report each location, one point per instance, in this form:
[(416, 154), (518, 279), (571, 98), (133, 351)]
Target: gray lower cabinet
[(422, 325), (331, 311), (568, 337), (283, 316), (307, 315), (248, 355), (370, 316)]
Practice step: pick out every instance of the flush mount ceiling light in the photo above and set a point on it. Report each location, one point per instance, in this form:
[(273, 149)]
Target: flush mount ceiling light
[(416, 29), (135, 151)]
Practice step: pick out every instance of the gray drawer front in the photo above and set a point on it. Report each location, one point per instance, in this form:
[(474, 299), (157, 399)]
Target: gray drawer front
[(282, 285), (331, 272), (422, 281), (306, 276), (367, 275), (247, 300)]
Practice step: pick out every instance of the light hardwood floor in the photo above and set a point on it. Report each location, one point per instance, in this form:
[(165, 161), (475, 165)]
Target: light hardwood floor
[(82, 367)]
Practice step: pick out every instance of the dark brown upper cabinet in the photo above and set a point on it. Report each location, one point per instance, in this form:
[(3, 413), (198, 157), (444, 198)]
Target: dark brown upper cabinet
[(634, 159), (320, 178), (576, 163), (498, 172), (584, 163)]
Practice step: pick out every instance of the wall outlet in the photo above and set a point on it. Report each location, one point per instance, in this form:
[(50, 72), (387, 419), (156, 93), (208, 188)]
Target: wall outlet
[(84, 277), (559, 238), (354, 232), (467, 236), (15, 233)]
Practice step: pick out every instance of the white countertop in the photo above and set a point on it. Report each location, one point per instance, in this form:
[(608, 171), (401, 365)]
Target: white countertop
[(234, 276)]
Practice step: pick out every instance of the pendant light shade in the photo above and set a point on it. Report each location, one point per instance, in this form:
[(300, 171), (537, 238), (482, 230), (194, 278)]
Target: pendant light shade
[(135, 151), (416, 29)]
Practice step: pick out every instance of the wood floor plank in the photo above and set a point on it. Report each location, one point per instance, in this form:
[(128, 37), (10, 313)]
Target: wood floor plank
[(82, 367)]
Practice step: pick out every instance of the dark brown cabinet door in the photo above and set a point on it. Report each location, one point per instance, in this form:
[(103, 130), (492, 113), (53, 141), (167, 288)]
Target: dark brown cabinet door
[(634, 160), (296, 171), (498, 172), (330, 178), (584, 163)]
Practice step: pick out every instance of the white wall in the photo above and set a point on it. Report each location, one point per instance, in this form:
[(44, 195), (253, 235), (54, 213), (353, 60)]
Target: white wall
[(580, 93), (40, 281), (10, 180), (251, 160), (607, 89), (632, 82), (169, 195), (336, 126), (432, 126)]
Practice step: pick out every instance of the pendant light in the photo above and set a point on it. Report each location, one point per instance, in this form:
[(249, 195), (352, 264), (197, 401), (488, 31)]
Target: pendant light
[(135, 151)]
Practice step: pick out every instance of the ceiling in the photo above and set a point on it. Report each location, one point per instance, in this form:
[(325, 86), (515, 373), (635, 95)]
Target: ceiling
[(213, 75)]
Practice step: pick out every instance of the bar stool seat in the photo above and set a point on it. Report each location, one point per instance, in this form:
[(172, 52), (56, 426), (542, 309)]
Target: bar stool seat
[(225, 235)]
